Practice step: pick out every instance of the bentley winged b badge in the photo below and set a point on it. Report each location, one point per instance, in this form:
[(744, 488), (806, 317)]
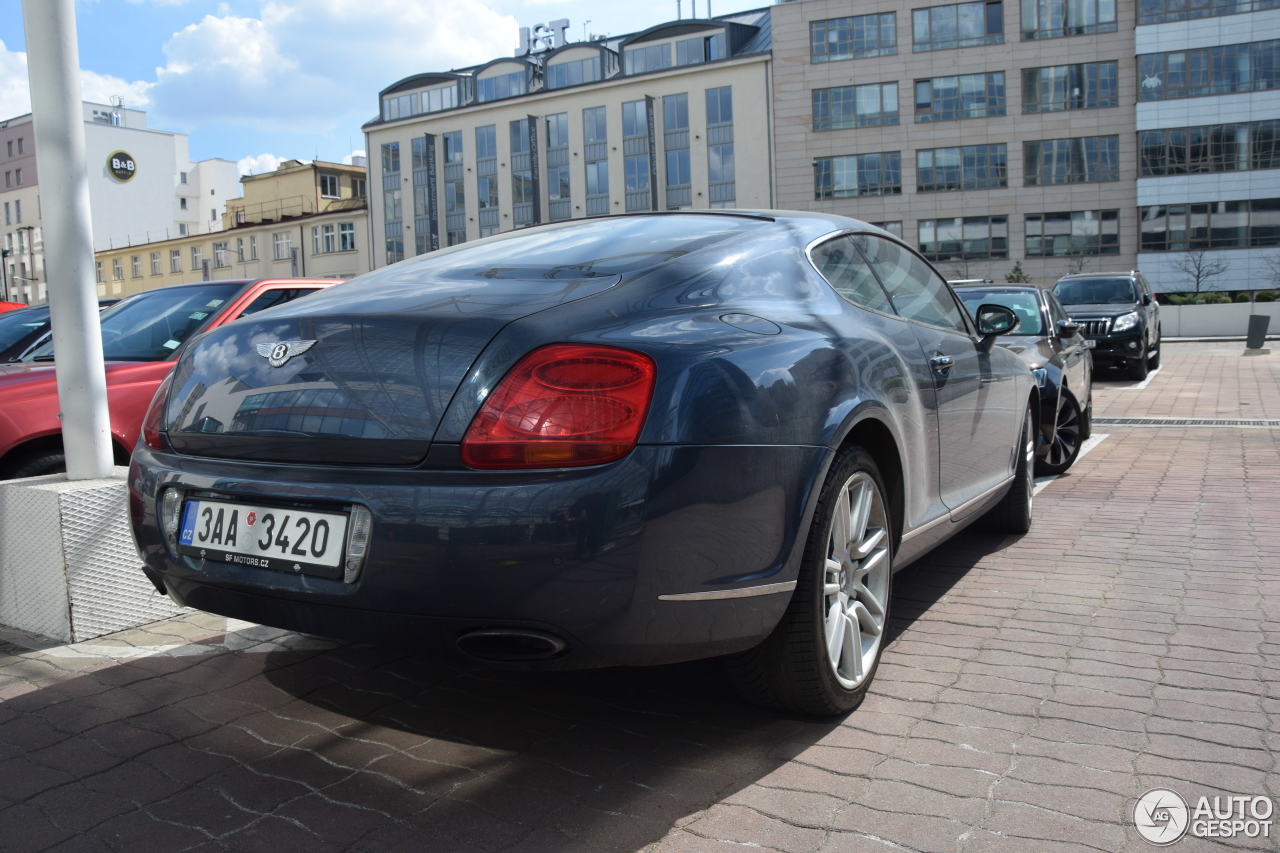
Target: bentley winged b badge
[(281, 351)]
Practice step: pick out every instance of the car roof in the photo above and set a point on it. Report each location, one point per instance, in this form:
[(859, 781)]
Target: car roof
[(1128, 274)]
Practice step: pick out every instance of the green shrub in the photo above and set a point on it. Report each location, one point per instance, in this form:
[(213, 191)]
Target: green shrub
[(1242, 296), (1267, 296)]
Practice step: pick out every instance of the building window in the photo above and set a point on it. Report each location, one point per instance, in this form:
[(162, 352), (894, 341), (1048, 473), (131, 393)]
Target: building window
[(330, 186), (359, 187), (964, 238), (524, 201), (393, 225), (638, 60), (487, 179), (220, 255), (675, 144), (196, 259), (324, 239), (97, 265), (253, 247), (1070, 87), (1051, 19), (17, 177), (1212, 225), (1073, 233), (182, 177), (635, 162), (894, 227), (117, 269), (155, 263), (700, 49), (175, 260), (853, 38), (1209, 71), (283, 241), (574, 73), (240, 250), (721, 172), (424, 216), (8, 220), (843, 107), (400, 106), (440, 98), (558, 203), (957, 25), (213, 214), (1209, 148), (135, 266), (1077, 160), (962, 96), (968, 167), (455, 209), (182, 229), (595, 135), (182, 204), (501, 86), (855, 175), (17, 210), (21, 142), (346, 236), (8, 179), (9, 151), (1163, 11)]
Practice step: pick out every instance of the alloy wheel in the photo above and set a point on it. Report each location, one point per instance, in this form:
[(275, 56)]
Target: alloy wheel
[(856, 580), (1066, 439)]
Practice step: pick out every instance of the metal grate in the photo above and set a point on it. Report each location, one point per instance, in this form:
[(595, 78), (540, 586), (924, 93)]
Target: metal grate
[(1093, 327), (1202, 422)]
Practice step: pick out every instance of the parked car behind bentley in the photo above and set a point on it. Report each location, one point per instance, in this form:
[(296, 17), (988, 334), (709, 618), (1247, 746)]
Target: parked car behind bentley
[(627, 440)]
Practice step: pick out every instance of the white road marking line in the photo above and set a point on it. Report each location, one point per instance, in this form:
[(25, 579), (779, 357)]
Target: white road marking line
[(1092, 442), (1141, 385)]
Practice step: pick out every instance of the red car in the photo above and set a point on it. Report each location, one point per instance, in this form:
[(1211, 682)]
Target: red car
[(141, 339)]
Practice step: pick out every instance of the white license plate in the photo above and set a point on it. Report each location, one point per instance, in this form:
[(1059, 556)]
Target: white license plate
[(266, 537)]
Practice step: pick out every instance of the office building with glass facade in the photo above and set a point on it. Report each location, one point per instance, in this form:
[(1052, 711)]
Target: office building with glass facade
[(673, 117), (1063, 136)]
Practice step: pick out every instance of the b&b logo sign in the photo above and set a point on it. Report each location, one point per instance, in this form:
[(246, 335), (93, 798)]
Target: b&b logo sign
[(121, 165)]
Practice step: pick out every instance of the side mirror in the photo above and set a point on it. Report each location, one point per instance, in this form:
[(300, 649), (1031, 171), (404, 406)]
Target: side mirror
[(993, 321), (1068, 329), (1146, 299)]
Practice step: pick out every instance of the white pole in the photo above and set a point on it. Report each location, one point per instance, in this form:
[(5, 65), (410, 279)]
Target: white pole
[(57, 115)]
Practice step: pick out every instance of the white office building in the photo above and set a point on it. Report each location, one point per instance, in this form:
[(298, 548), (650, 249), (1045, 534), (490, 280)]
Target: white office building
[(1208, 122), (143, 187)]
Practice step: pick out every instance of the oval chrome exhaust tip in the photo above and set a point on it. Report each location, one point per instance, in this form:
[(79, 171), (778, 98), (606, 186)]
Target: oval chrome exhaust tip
[(511, 644)]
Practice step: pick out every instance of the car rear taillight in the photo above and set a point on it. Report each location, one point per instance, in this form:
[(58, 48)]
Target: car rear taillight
[(564, 404), (153, 422)]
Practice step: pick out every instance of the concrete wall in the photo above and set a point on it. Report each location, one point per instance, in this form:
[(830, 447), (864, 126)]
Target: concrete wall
[(1212, 321)]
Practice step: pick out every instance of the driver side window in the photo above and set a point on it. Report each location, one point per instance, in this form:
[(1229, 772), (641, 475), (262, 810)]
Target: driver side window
[(916, 290)]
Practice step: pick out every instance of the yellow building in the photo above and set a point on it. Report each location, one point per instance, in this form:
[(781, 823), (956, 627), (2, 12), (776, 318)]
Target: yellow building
[(303, 219)]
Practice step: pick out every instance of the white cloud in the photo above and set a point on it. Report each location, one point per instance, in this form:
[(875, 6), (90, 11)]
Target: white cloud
[(297, 67), (15, 92), (258, 163)]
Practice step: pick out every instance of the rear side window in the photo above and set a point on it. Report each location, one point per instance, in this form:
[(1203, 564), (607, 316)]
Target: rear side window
[(918, 293), (272, 298), (841, 265)]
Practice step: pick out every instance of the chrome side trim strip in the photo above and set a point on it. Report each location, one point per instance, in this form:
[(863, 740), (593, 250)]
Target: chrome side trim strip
[(907, 537), (741, 592)]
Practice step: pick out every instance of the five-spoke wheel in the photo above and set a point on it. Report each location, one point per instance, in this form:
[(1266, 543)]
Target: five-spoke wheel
[(855, 592)]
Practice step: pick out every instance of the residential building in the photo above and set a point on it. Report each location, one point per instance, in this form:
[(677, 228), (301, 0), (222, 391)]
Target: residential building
[(143, 187), (669, 118), (303, 219)]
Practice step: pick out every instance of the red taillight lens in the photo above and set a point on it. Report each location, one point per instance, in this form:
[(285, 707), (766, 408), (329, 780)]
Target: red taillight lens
[(565, 404), (153, 422)]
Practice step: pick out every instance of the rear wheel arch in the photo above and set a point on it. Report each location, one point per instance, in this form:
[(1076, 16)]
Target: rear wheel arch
[(875, 437)]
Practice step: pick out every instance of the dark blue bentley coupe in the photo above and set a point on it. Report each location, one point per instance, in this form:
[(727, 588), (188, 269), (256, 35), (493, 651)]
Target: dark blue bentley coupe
[(629, 440)]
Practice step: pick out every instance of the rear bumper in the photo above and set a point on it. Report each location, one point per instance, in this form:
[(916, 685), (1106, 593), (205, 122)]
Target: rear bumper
[(582, 555)]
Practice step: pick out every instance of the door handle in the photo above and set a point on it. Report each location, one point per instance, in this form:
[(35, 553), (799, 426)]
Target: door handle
[(942, 363)]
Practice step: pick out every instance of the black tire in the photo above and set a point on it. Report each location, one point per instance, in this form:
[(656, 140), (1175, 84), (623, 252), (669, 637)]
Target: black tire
[(1137, 367), (1068, 435), (1086, 419), (791, 669), (1013, 513), (43, 463), (1153, 352)]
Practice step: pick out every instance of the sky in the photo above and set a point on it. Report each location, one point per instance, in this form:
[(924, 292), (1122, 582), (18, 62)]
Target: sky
[(258, 81)]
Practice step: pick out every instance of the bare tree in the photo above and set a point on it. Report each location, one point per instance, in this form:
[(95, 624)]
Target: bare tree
[(1196, 265), (1273, 267), (1078, 257)]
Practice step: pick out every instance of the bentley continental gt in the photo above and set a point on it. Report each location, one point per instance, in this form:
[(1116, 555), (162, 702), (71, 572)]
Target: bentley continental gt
[(628, 440)]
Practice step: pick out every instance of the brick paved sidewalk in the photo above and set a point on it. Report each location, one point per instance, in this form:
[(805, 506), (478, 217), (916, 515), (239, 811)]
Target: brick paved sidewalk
[(1034, 687)]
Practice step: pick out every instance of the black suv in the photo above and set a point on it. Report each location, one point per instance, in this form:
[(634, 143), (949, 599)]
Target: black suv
[(1118, 315)]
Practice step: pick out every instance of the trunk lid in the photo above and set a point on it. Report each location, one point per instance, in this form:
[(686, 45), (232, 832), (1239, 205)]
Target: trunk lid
[(360, 374)]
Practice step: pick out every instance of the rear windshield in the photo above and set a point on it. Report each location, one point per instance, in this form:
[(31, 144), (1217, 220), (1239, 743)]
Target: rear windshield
[(1022, 303), (16, 325), (151, 325), (574, 250), (1095, 291)]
